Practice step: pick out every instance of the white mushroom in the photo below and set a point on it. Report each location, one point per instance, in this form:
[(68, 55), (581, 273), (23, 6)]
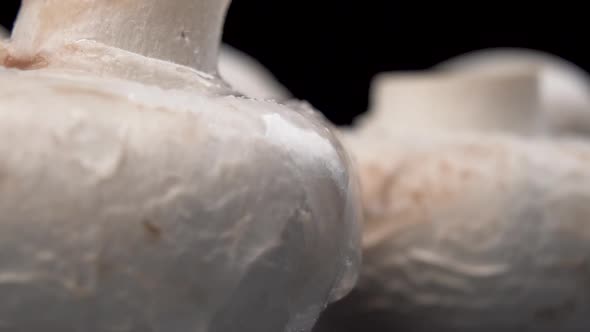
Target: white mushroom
[(431, 102), (564, 88), (473, 223), (137, 193)]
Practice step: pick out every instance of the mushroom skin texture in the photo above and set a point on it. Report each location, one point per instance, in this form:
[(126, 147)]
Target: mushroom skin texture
[(138, 193), (468, 228)]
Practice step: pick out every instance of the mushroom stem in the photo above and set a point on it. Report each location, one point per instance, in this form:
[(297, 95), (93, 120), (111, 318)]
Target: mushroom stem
[(455, 102), (185, 32)]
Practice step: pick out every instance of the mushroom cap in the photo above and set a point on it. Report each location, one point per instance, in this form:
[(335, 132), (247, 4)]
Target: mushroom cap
[(132, 207), (475, 204), (471, 233)]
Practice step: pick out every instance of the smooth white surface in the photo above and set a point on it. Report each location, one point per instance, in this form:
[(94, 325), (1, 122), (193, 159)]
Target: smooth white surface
[(515, 91), (430, 102), (564, 88)]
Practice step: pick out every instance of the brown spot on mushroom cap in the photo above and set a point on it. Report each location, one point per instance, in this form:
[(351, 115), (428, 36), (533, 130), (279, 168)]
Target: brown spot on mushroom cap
[(25, 63), (152, 230), (418, 196), (68, 90), (466, 174)]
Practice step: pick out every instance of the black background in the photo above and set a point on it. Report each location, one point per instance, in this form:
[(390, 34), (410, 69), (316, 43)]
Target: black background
[(327, 52)]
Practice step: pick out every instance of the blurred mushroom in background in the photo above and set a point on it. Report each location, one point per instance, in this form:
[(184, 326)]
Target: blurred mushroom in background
[(3, 33), (564, 88), (428, 103), (476, 217), (248, 76)]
